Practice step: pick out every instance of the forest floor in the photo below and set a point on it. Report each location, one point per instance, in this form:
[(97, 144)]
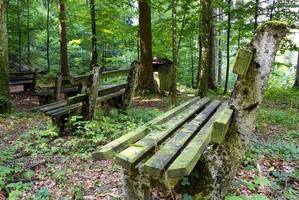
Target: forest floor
[(36, 163)]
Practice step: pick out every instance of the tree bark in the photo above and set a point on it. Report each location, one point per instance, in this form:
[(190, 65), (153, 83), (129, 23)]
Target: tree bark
[(228, 47), (28, 33), (63, 40), (296, 84), (173, 87), (146, 73), (94, 52), (256, 14), (5, 105), (48, 35), (219, 164), (19, 34), (207, 73)]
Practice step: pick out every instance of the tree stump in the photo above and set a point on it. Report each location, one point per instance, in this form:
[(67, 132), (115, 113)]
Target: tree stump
[(220, 163)]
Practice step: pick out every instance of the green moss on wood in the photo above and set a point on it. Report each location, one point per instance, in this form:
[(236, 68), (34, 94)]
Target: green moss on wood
[(274, 24)]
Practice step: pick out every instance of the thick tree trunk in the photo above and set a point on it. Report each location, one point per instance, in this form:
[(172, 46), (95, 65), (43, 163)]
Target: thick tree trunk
[(5, 105), (219, 164), (207, 73), (63, 40), (296, 84), (48, 35), (94, 52), (228, 47), (146, 73)]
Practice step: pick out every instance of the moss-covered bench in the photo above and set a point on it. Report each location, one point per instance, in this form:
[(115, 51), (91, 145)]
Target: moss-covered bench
[(173, 142), (201, 140), (93, 94), (27, 79)]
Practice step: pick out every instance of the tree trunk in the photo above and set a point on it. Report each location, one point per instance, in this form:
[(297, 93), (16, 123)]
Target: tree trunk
[(28, 33), (256, 14), (146, 73), (5, 105), (228, 47), (19, 34), (63, 40), (219, 164), (94, 52), (207, 73), (296, 84), (174, 52), (192, 61), (48, 35)]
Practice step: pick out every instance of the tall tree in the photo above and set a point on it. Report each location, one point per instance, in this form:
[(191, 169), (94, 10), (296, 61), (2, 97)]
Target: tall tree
[(94, 52), (174, 50), (63, 40), (228, 46), (5, 105), (19, 33), (28, 33), (146, 57), (207, 69), (48, 35), (256, 14), (296, 84)]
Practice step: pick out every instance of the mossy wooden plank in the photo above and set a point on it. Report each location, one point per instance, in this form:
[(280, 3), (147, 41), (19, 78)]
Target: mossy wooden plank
[(60, 109), (110, 149), (186, 161), (111, 95), (131, 156), (107, 89), (167, 153), (242, 61), (49, 106), (65, 110), (77, 99), (115, 73), (221, 125)]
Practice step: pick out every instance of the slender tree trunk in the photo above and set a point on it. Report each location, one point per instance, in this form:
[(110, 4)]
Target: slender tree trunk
[(19, 34), (63, 40), (296, 84), (207, 73), (192, 61), (94, 52), (199, 59), (174, 51), (5, 105), (138, 46), (184, 22), (146, 75), (228, 47), (272, 10), (256, 14), (219, 62), (28, 33), (48, 35)]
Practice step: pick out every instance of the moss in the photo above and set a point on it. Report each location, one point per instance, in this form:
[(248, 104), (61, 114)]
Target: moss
[(5, 104), (274, 24)]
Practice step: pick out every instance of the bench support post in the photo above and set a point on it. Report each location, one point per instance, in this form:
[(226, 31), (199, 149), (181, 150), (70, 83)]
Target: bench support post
[(220, 163), (131, 86), (135, 186)]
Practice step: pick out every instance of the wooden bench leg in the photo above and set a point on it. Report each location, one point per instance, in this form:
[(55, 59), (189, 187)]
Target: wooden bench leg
[(60, 123), (135, 186)]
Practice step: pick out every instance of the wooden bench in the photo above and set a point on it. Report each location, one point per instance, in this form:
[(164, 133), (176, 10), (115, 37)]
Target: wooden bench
[(172, 143), (93, 94), (27, 79), (201, 141)]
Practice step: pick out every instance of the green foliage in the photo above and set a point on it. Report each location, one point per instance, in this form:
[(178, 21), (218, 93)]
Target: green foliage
[(242, 197), (78, 192), (42, 194)]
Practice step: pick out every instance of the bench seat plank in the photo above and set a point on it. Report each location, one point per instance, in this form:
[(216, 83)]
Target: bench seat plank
[(48, 106), (111, 95), (135, 153), (221, 125), (110, 149), (187, 159), (63, 110), (160, 160)]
